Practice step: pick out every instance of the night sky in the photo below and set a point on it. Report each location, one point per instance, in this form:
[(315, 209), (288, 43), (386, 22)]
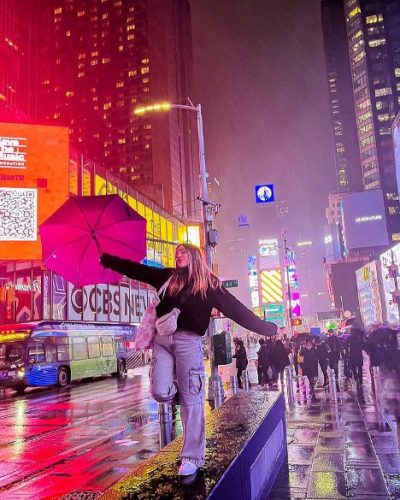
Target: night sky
[(260, 77)]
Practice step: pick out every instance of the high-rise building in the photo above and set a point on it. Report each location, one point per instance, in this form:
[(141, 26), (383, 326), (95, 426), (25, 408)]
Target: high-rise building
[(347, 151), (103, 58), (362, 48), (373, 31), (18, 59)]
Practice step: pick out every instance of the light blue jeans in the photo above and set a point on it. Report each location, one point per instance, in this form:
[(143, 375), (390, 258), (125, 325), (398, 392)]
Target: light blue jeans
[(177, 376)]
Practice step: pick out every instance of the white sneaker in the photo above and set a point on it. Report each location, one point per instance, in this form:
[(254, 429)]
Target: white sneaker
[(187, 468)]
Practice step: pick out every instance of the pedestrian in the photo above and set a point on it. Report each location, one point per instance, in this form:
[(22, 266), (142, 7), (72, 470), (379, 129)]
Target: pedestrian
[(355, 346), (310, 366), (177, 369), (279, 359), (333, 347), (241, 359), (322, 359), (374, 350), (263, 356)]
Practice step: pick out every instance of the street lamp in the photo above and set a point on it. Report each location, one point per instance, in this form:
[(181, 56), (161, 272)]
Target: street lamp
[(210, 235)]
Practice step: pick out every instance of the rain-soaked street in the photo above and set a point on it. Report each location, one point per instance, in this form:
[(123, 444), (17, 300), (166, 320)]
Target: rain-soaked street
[(77, 442), (81, 438)]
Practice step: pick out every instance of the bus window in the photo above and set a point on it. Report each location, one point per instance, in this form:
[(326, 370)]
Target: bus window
[(79, 348), (36, 353), (51, 355), (11, 353), (63, 352), (107, 346), (119, 344), (93, 347)]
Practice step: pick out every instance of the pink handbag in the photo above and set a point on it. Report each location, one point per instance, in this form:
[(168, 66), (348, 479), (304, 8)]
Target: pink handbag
[(147, 329)]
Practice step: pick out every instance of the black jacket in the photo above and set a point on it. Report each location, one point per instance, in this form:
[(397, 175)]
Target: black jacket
[(333, 347), (310, 364), (263, 356), (196, 310), (279, 356), (241, 358)]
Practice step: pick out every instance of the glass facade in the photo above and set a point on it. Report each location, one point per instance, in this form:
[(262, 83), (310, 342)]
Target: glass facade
[(373, 31), (102, 59)]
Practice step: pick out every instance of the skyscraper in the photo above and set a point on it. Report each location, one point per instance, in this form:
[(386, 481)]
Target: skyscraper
[(18, 59), (362, 48), (373, 30), (347, 152), (102, 59)]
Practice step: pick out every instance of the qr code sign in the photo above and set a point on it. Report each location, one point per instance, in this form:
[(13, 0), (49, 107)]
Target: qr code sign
[(18, 214)]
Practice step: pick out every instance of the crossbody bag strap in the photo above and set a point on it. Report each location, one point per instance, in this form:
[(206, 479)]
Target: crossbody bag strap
[(164, 287)]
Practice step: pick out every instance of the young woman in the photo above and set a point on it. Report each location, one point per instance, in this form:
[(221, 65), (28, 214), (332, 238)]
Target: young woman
[(177, 371)]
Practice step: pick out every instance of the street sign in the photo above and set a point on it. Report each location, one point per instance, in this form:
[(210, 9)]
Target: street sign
[(264, 193), (229, 283)]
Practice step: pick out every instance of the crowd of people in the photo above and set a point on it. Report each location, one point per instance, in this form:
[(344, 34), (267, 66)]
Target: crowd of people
[(309, 354)]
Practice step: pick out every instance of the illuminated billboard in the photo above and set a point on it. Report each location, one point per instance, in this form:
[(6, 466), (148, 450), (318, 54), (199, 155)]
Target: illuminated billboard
[(369, 293), (271, 286), (364, 219), (33, 184), (268, 250), (390, 265), (396, 147)]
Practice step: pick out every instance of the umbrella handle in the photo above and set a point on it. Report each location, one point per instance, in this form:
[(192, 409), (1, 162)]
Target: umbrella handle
[(101, 251)]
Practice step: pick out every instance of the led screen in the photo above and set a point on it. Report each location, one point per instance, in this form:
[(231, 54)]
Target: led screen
[(33, 184), (396, 147), (364, 220)]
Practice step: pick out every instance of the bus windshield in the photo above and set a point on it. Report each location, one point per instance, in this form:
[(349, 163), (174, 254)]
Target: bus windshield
[(11, 352)]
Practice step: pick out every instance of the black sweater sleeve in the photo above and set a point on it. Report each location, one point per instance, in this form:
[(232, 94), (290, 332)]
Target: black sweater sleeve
[(152, 275), (231, 307)]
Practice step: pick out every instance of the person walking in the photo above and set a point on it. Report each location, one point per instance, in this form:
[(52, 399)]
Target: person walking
[(241, 359), (355, 346), (279, 360), (310, 366), (333, 347), (322, 359), (177, 369), (263, 357), (375, 351)]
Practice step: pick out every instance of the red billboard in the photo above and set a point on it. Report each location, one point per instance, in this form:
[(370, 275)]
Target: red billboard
[(33, 184)]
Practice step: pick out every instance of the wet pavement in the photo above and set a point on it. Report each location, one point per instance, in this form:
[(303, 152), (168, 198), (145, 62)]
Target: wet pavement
[(78, 442), (347, 448), (83, 438)]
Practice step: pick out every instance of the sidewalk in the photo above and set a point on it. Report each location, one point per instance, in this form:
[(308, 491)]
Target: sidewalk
[(344, 449)]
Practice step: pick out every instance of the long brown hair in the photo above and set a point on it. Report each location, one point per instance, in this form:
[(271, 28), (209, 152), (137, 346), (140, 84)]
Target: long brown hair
[(199, 275)]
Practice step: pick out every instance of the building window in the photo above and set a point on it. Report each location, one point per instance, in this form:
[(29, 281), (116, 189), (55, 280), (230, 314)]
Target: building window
[(374, 19), (384, 91), (377, 42)]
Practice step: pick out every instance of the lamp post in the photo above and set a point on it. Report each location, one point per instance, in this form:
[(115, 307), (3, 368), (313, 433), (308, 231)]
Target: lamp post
[(289, 291), (208, 207)]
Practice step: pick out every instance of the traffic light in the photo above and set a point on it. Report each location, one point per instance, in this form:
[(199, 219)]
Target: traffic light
[(296, 322)]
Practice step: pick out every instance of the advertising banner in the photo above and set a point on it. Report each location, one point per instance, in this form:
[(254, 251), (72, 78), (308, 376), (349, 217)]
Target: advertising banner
[(108, 303), (271, 286), (364, 219), (390, 261), (33, 184), (369, 293)]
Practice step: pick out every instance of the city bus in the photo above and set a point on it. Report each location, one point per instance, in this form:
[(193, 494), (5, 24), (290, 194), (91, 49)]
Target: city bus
[(58, 352)]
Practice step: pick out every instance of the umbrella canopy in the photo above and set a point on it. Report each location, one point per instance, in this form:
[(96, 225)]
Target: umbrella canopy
[(74, 237)]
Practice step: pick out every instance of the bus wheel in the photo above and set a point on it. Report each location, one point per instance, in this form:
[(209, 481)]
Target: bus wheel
[(63, 377), (121, 368)]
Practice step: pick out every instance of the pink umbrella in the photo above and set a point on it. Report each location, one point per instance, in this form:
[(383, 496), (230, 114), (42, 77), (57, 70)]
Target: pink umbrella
[(74, 237)]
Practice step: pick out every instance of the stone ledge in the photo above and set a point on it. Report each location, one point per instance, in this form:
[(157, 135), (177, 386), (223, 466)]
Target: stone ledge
[(245, 448)]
